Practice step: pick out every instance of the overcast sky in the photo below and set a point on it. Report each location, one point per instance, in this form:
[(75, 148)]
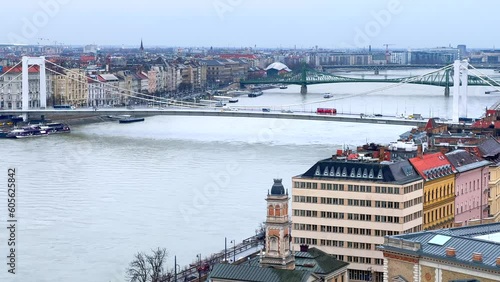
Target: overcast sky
[(249, 23)]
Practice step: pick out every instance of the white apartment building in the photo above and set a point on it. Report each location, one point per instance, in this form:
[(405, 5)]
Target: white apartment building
[(346, 207), (11, 87)]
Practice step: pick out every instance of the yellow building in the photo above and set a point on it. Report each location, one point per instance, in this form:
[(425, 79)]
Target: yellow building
[(70, 88), (439, 190), (494, 192), (490, 150)]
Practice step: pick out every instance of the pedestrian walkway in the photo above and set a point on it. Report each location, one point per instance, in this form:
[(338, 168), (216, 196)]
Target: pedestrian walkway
[(238, 253)]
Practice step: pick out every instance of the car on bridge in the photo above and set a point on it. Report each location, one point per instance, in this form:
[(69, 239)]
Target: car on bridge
[(266, 110)]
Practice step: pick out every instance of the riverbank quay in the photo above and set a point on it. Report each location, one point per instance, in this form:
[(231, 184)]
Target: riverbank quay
[(236, 254)]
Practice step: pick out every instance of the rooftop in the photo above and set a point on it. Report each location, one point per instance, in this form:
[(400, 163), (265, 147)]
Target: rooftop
[(245, 272), (400, 172), (465, 161), (312, 261), (482, 239), (432, 166), (278, 66)]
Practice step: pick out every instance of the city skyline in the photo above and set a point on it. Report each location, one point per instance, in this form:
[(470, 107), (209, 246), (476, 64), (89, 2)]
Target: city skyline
[(243, 23)]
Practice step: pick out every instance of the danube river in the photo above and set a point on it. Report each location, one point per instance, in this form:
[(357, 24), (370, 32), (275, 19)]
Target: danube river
[(87, 201)]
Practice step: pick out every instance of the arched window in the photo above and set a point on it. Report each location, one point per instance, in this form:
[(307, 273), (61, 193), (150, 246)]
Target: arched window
[(270, 210), (277, 211)]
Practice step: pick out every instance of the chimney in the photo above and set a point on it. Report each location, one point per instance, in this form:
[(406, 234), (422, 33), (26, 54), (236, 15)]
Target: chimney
[(477, 257), (420, 152), (339, 153), (498, 261), (304, 248), (451, 252), (381, 154)]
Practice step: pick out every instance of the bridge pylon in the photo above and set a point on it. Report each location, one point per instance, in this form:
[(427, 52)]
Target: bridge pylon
[(303, 89), (460, 83), (447, 84), (26, 62)]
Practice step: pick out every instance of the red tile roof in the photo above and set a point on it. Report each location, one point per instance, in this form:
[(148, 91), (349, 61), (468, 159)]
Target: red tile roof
[(486, 124), (19, 69), (428, 162), (238, 56), (86, 59), (431, 123)]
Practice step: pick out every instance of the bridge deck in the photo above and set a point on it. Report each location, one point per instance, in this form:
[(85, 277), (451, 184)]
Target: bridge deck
[(219, 113)]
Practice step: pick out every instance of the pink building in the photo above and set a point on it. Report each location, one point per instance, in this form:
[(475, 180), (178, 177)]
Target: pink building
[(471, 186)]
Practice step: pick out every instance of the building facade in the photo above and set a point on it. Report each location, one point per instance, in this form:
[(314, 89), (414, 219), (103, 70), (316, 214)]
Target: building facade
[(346, 207), (11, 87), (489, 149), (278, 262), (70, 88), (466, 254), (471, 186), (439, 189)]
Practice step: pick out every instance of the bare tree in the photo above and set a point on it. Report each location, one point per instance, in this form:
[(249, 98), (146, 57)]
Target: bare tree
[(138, 270), (148, 267), (156, 262)]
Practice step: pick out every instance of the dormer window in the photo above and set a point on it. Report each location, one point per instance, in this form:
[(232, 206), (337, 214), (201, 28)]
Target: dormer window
[(359, 173), (365, 173), (332, 171), (325, 172), (371, 175), (380, 176), (338, 172), (344, 172), (318, 171), (353, 172)]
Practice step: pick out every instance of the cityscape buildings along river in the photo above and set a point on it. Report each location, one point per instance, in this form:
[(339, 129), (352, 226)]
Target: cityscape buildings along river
[(93, 198)]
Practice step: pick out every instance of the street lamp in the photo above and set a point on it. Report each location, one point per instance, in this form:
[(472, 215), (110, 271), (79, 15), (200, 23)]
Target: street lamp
[(199, 266), (175, 268), (234, 250)]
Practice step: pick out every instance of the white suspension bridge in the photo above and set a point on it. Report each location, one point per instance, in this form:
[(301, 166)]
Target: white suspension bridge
[(167, 106)]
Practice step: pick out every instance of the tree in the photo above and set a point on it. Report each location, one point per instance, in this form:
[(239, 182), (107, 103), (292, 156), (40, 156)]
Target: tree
[(148, 267)]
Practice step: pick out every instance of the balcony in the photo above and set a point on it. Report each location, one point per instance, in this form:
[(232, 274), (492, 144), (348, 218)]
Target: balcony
[(279, 219)]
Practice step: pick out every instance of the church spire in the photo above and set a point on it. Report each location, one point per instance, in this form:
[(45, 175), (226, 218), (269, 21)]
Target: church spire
[(142, 47)]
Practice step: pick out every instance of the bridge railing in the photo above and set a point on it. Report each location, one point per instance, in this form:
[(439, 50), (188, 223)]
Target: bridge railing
[(203, 267)]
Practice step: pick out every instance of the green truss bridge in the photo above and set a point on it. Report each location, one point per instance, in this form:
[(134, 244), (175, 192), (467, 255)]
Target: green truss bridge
[(442, 77)]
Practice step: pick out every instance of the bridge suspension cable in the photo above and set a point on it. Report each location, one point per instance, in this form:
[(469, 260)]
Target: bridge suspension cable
[(14, 79), (480, 75), (405, 81), (474, 70), (153, 98), (10, 69)]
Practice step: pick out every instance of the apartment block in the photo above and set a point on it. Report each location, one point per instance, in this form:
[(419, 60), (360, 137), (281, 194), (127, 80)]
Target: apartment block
[(345, 206)]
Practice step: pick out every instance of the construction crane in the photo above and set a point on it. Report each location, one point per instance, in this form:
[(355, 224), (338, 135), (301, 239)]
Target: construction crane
[(387, 53), (40, 39)]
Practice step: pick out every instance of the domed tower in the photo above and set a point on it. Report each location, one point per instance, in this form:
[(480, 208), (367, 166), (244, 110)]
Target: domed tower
[(277, 250)]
